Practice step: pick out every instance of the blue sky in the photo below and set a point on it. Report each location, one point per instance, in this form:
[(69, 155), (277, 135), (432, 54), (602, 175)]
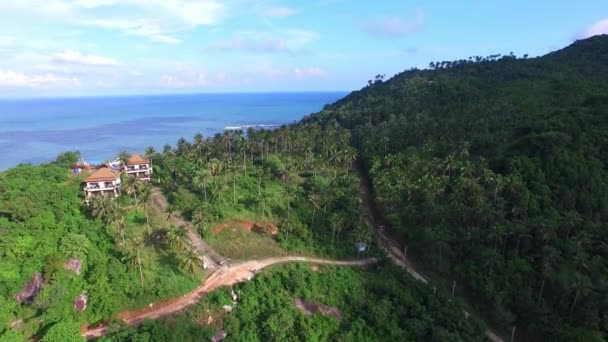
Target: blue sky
[(109, 47)]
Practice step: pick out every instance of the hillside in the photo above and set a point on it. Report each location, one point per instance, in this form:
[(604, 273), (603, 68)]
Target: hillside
[(495, 171)]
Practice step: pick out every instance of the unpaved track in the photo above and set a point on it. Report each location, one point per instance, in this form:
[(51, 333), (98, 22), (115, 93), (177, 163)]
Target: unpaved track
[(211, 258), (224, 276), (391, 245)]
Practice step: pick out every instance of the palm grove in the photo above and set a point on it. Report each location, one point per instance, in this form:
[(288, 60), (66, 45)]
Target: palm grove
[(493, 170), (300, 178)]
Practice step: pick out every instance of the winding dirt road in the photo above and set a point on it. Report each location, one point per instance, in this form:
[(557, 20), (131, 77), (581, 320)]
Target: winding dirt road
[(224, 276), (211, 259), (394, 251)]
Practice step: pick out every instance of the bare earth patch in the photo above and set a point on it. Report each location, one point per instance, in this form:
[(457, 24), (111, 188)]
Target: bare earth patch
[(252, 226), (309, 308), (224, 276)]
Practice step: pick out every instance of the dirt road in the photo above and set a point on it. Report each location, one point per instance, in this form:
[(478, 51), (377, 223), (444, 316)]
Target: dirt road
[(391, 245), (211, 258), (224, 276)]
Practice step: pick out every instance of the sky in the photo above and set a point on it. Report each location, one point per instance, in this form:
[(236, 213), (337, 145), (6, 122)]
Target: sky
[(126, 47)]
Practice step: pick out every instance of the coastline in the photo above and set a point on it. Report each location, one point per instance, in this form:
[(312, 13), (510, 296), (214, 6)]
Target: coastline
[(37, 130)]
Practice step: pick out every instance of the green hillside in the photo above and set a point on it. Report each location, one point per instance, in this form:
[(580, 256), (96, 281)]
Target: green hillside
[(495, 172)]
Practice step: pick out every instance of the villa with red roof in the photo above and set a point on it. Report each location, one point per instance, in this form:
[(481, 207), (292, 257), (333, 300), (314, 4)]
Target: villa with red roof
[(139, 167), (104, 181)]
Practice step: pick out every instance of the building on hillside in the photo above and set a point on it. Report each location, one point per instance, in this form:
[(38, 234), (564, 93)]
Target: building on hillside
[(104, 181), (138, 166)]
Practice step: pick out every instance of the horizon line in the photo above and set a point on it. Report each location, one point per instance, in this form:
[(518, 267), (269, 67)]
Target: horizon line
[(66, 97)]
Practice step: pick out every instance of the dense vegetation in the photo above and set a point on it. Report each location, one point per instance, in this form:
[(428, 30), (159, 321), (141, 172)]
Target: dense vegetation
[(382, 304), (299, 178), (495, 171), (43, 222), (302, 179)]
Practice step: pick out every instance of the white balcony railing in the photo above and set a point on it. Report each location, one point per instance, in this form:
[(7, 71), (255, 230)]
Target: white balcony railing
[(100, 188)]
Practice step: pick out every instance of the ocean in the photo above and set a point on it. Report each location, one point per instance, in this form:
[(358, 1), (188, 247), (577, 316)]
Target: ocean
[(37, 130)]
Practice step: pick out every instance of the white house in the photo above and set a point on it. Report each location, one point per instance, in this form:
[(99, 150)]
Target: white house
[(104, 181), (138, 166)]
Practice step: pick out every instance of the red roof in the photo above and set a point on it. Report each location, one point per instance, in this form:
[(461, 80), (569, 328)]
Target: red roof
[(104, 174), (137, 159)]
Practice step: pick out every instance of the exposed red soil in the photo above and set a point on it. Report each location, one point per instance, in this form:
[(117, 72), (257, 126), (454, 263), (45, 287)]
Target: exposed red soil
[(225, 276), (252, 226)]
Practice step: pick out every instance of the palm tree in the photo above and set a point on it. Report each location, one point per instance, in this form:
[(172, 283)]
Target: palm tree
[(119, 221), (336, 221), (200, 180), (131, 186), (150, 152), (145, 194), (215, 167), (102, 208), (190, 260), (133, 259), (349, 156), (178, 238), (123, 156), (198, 219)]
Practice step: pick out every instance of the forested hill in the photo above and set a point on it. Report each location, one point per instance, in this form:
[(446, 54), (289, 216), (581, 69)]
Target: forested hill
[(495, 170)]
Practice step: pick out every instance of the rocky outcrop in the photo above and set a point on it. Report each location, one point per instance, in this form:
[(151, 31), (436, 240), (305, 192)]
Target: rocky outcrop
[(308, 308), (80, 302), (220, 336), (30, 290), (73, 264)]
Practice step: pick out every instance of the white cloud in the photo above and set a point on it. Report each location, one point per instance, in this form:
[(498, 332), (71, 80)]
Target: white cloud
[(279, 12), (161, 38), (157, 20), (15, 79), (144, 28), (95, 3), (285, 41), (600, 27), (7, 40), (186, 80), (310, 72), (241, 44), (75, 57), (395, 26)]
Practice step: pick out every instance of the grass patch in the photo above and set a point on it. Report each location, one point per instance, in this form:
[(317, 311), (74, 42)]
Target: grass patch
[(237, 243)]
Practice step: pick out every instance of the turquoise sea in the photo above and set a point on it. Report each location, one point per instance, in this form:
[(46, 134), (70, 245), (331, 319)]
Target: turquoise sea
[(37, 130)]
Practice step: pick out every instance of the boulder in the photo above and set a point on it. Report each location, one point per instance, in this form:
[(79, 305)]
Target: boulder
[(80, 302), (73, 264), (30, 290), (220, 336)]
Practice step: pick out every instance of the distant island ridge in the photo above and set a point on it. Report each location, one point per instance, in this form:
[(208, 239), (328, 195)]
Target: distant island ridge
[(37, 130)]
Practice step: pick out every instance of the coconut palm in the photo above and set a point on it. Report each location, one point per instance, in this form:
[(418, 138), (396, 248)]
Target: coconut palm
[(200, 180), (178, 238), (131, 186), (191, 260), (132, 258), (102, 207), (145, 194), (123, 156)]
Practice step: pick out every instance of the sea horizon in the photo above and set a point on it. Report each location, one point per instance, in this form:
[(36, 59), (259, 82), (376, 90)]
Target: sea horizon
[(36, 130), (94, 96)]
